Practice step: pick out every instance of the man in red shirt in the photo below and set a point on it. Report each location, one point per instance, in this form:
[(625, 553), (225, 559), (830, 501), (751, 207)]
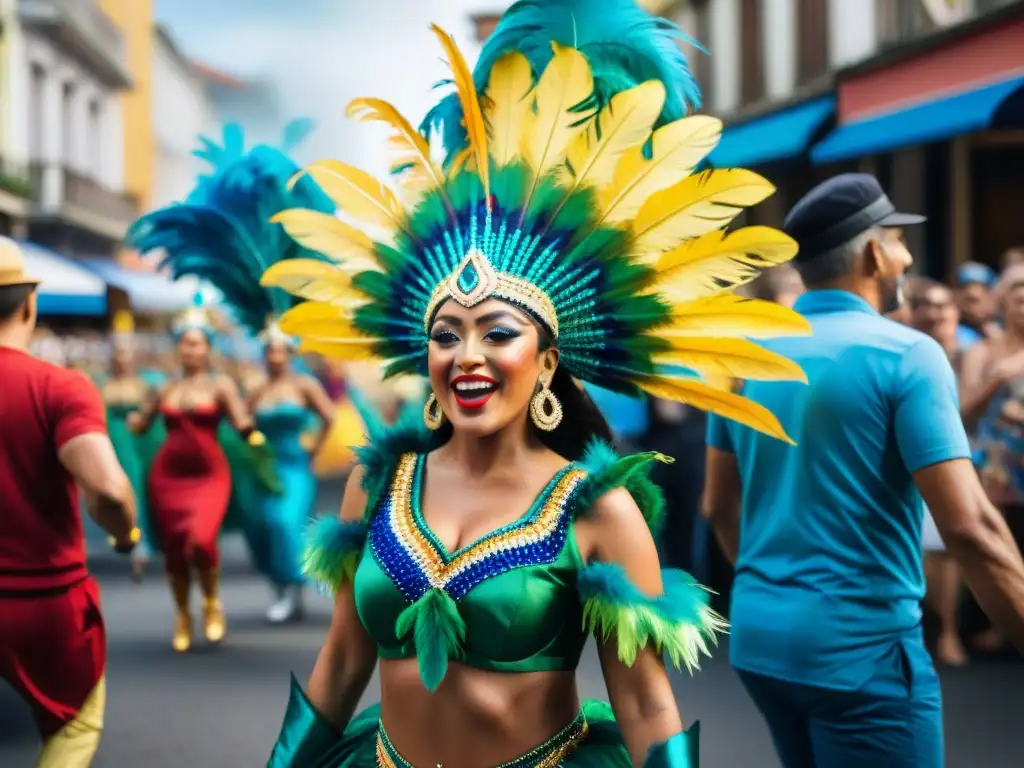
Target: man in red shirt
[(53, 438)]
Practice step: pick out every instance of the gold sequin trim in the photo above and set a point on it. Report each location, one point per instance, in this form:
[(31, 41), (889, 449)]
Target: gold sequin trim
[(510, 288), (425, 554), (547, 755)]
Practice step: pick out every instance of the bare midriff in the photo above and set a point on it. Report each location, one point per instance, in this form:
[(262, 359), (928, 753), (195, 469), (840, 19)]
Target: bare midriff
[(475, 717)]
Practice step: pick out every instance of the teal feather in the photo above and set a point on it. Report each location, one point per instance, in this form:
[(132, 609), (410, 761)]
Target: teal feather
[(385, 445), (679, 623), (623, 44), (222, 232), (333, 547), (607, 471), (437, 632)]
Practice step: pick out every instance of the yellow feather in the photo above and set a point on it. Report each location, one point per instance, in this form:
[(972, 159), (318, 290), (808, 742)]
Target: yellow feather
[(737, 358), (508, 105), (353, 350), (472, 114), (358, 194), (410, 148), (728, 315), (566, 82), (625, 123), (676, 149), (722, 403), (314, 280), (718, 261), (695, 206), (329, 235), (329, 326)]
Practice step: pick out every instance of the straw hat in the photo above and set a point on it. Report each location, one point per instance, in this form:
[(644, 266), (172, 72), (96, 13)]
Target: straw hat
[(12, 265)]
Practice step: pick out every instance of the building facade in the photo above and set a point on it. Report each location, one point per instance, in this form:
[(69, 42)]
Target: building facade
[(135, 19), (181, 110), (926, 94), (65, 67)]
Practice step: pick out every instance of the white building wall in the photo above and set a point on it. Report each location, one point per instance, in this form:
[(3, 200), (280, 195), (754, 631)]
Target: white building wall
[(778, 40), (69, 137), (724, 45), (852, 33), (181, 112)]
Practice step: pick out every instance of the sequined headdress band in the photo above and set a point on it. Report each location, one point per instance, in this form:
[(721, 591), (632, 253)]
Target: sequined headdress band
[(475, 281)]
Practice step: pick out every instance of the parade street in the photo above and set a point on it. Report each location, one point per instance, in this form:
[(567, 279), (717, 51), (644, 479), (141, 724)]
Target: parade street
[(222, 708)]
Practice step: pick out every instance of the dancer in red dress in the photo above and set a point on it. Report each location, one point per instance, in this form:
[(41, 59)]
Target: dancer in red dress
[(53, 439), (190, 481)]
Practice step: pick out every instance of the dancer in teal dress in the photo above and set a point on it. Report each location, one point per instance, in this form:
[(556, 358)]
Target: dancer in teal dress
[(282, 407), (564, 240)]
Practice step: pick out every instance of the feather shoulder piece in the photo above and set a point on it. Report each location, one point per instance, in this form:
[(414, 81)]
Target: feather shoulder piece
[(569, 192), (679, 623), (223, 232)]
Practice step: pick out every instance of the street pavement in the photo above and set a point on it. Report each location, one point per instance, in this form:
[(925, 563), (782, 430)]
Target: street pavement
[(221, 708)]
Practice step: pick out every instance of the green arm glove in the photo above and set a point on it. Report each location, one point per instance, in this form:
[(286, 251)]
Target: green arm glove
[(681, 751), (264, 463), (306, 736)]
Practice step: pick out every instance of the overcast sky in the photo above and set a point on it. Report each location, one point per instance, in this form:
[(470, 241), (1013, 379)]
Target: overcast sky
[(323, 53)]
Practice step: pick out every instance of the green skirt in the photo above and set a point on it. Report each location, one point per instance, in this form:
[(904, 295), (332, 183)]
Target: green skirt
[(592, 740)]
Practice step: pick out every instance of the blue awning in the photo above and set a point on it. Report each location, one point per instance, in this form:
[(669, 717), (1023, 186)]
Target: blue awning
[(779, 136), (936, 120), (66, 288), (148, 292)]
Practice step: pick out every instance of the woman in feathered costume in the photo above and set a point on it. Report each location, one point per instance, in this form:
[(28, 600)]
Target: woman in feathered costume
[(222, 235), (124, 393), (563, 238)]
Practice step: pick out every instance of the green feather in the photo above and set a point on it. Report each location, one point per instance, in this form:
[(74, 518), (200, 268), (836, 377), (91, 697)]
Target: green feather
[(607, 471), (678, 623), (333, 547), (438, 633), (385, 445)]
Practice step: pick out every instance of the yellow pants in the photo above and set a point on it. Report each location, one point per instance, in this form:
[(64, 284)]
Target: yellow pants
[(75, 745)]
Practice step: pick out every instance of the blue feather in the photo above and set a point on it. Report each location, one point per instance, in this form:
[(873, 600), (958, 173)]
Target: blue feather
[(295, 133), (222, 232), (623, 44)]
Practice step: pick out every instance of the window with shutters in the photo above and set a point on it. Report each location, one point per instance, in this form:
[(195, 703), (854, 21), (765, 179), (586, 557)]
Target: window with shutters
[(752, 51), (812, 39)]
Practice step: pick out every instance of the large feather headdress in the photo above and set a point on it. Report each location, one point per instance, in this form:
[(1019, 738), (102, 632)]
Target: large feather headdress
[(222, 233), (567, 190)]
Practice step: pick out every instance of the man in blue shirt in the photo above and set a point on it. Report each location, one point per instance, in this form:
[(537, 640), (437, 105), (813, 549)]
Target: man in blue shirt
[(826, 535)]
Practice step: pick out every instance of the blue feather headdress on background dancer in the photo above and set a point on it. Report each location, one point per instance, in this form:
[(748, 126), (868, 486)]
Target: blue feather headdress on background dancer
[(223, 232)]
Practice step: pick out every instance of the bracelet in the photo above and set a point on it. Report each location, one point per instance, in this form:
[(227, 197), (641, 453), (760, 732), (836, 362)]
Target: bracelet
[(253, 437)]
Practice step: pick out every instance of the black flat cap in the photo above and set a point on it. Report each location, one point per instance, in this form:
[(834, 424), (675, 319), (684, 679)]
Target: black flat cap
[(839, 209)]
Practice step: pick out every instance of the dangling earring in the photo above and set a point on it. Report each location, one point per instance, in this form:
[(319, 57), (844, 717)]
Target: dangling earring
[(545, 410), (433, 416)]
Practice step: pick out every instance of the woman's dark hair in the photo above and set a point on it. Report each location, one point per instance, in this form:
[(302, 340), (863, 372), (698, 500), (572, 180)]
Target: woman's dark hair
[(581, 423)]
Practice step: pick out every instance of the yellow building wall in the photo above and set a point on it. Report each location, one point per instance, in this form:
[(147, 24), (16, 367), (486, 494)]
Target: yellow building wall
[(135, 18)]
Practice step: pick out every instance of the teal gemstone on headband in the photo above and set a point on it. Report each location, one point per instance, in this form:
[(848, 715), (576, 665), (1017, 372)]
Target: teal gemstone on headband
[(468, 279)]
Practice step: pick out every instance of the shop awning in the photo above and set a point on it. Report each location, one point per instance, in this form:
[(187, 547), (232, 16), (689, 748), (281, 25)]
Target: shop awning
[(67, 288), (937, 119), (777, 136), (149, 292)]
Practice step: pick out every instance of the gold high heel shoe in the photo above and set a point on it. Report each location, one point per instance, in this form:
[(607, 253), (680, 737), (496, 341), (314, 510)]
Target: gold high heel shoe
[(181, 640), (214, 623)]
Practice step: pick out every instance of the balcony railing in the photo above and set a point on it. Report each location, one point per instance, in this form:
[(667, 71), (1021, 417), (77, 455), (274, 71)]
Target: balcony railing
[(86, 193), (80, 191), (83, 30)]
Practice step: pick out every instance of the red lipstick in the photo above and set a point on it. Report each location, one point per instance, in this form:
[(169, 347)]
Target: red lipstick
[(472, 391)]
